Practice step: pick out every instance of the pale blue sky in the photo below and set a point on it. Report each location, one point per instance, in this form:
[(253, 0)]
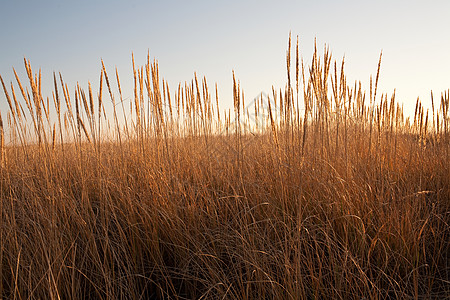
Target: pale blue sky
[(213, 38)]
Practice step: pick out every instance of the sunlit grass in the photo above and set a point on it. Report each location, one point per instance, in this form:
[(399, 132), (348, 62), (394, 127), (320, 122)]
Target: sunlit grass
[(320, 190)]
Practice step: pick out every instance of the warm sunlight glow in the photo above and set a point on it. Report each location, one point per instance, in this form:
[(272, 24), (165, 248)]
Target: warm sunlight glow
[(224, 150)]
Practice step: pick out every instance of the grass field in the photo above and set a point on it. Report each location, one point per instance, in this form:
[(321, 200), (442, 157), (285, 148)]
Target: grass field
[(320, 190)]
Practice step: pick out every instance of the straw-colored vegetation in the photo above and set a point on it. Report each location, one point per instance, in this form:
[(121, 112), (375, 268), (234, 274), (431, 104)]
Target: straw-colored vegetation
[(321, 190)]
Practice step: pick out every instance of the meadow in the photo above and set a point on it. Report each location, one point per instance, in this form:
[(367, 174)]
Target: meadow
[(320, 190)]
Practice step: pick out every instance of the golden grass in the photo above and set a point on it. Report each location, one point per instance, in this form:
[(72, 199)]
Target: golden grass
[(346, 199)]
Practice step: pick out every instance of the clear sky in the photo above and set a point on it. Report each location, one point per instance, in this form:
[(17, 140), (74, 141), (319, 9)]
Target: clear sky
[(213, 38)]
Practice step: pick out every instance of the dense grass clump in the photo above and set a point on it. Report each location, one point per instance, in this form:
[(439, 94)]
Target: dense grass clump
[(316, 191)]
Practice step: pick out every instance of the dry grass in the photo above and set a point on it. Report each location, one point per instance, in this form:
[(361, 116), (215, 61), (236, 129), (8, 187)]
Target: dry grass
[(346, 199)]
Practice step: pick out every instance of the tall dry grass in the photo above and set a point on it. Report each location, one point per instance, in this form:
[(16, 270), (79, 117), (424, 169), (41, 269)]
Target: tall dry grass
[(341, 196)]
